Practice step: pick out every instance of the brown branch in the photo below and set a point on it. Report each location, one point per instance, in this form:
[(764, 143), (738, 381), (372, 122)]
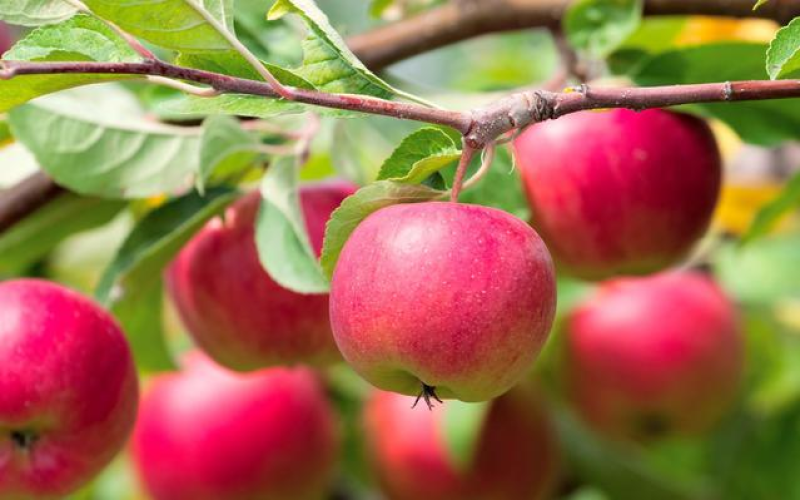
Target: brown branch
[(463, 19), (453, 22), (22, 199), (479, 127), (230, 84)]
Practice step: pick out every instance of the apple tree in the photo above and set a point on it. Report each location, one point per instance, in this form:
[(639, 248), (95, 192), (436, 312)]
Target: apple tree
[(423, 249)]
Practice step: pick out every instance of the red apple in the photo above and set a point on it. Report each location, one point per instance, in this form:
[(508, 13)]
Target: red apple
[(442, 299), (207, 433), (230, 305), (6, 39), (620, 192), (516, 455), (68, 390), (654, 356)]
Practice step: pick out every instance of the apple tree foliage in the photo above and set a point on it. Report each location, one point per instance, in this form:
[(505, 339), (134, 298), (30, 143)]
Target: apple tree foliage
[(149, 165)]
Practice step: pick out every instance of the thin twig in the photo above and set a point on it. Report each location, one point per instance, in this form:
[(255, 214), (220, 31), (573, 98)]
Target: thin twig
[(183, 87), (467, 153), (487, 158), (280, 89), (135, 44), (229, 84), (451, 23)]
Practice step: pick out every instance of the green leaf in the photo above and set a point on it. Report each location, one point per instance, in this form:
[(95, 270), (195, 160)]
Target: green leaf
[(462, 425), (248, 105), (187, 26), (758, 122), (783, 55), (225, 151), (359, 206), (99, 141), (501, 187), (420, 155), (201, 31), (769, 214), (132, 280), (35, 12), (283, 245), (597, 27), (37, 234), (619, 472), (328, 63), (765, 271), (231, 104), (140, 315), (81, 38)]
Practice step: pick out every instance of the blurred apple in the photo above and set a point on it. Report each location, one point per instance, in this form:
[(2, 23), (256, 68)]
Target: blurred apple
[(516, 455), (207, 433), (651, 357)]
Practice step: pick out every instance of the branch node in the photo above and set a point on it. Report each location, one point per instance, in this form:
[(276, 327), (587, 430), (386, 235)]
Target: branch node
[(727, 91), (7, 71), (514, 112)]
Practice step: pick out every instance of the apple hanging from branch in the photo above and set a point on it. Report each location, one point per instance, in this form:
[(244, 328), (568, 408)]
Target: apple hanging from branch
[(442, 300), (620, 192), (233, 309)]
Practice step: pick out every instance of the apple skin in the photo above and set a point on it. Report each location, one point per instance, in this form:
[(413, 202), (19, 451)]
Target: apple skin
[(457, 297), (233, 309), (6, 39), (655, 356), (208, 433), (516, 456), (68, 386), (620, 192)]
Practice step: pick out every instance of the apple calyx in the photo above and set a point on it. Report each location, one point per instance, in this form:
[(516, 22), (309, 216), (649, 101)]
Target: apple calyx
[(23, 440), (426, 394)]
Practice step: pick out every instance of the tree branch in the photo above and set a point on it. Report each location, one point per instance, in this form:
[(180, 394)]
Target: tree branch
[(22, 199), (230, 84), (463, 19), (460, 20)]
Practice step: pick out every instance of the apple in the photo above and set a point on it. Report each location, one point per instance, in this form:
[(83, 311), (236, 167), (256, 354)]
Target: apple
[(68, 390), (655, 356), (232, 308), (620, 192), (207, 433), (442, 300), (6, 38), (516, 455)]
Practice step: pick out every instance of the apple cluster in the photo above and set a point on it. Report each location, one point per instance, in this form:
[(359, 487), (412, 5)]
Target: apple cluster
[(429, 301)]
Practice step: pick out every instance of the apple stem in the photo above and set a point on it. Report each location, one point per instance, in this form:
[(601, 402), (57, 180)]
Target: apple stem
[(467, 153), (427, 393)]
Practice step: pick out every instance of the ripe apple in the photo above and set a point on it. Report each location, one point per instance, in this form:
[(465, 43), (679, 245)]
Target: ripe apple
[(6, 39), (442, 300), (647, 357), (620, 192), (516, 455), (207, 433), (238, 314), (68, 390)]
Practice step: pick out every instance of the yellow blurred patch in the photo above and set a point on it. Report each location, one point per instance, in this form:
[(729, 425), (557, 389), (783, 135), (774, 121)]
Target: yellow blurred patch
[(739, 204), (727, 140), (701, 29)]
